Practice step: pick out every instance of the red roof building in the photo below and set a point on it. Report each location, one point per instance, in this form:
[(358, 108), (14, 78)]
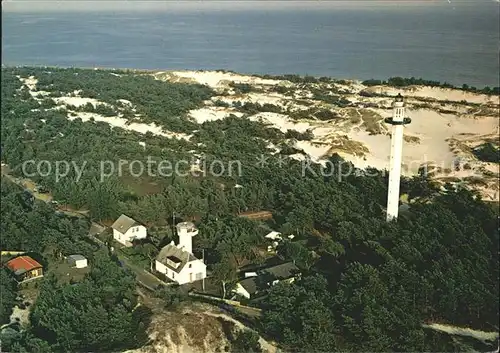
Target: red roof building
[(24, 267)]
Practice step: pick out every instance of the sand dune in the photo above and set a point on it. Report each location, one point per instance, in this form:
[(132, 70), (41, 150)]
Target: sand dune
[(451, 124), (216, 79), (436, 93)]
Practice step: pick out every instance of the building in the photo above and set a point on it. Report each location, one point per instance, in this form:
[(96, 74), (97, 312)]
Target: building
[(24, 268), (273, 235), (264, 279), (398, 121), (77, 261), (276, 238), (126, 230), (177, 262)]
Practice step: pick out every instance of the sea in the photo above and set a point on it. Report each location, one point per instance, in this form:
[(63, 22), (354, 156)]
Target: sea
[(452, 41)]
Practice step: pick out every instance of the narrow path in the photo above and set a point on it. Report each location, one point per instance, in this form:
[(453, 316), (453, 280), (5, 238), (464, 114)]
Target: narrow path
[(464, 331), (144, 277), (30, 185), (266, 346)]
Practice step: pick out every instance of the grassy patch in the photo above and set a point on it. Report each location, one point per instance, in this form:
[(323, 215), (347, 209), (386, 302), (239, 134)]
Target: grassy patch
[(65, 273), (135, 257), (411, 139), (372, 121), (29, 291), (31, 186), (344, 144), (144, 185)]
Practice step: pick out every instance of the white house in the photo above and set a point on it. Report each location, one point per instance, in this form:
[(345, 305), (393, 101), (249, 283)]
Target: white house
[(126, 229), (77, 261), (177, 262), (276, 238), (253, 285), (273, 235)]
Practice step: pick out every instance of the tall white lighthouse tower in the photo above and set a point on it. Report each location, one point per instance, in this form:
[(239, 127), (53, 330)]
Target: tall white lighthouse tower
[(397, 121), (186, 231)]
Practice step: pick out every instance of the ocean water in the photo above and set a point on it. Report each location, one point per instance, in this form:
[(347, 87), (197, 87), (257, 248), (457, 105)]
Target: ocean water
[(457, 42)]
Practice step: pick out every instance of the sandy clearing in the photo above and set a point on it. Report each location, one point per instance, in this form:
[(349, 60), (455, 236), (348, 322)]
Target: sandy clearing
[(316, 151), (211, 113), (266, 346), (22, 314), (217, 79), (124, 102), (29, 82), (39, 94), (280, 121), (464, 331), (433, 129), (260, 98), (298, 157), (77, 101), (122, 123), (436, 93)]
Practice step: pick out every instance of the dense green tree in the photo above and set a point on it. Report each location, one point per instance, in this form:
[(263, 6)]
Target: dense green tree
[(94, 314), (298, 315), (246, 341), (225, 274), (488, 153), (8, 294), (379, 281)]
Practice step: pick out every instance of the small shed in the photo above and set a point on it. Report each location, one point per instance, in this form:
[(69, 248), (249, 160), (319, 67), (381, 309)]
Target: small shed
[(274, 235), (77, 261)]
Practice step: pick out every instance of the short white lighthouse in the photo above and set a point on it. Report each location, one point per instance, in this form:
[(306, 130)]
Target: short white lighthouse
[(397, 121), (186, 231), (177, 262)]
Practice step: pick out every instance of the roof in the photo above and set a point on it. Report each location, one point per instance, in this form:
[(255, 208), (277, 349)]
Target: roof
[(174, 259), (124, 223), (282, 271), (249, 284), (96, 229), (171, 251), (22, 264), (273, 235), (76, 257), (186, 226), (278, 272)]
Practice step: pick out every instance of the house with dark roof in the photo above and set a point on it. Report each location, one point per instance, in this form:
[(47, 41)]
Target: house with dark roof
[(24, 268), (126, 230), (179, 265), (177, 262), (259, 281)]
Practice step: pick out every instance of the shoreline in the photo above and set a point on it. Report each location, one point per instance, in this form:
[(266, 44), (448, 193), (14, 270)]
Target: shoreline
[(444, 85)]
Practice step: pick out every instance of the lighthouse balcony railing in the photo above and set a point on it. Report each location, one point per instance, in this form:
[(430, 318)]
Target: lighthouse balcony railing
[(391, 121), (190, 230)]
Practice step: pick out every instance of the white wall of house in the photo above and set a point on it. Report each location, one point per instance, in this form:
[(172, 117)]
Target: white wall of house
[(81, 263), (192, 271), (238, 289), (161, 267), (137, 232)]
